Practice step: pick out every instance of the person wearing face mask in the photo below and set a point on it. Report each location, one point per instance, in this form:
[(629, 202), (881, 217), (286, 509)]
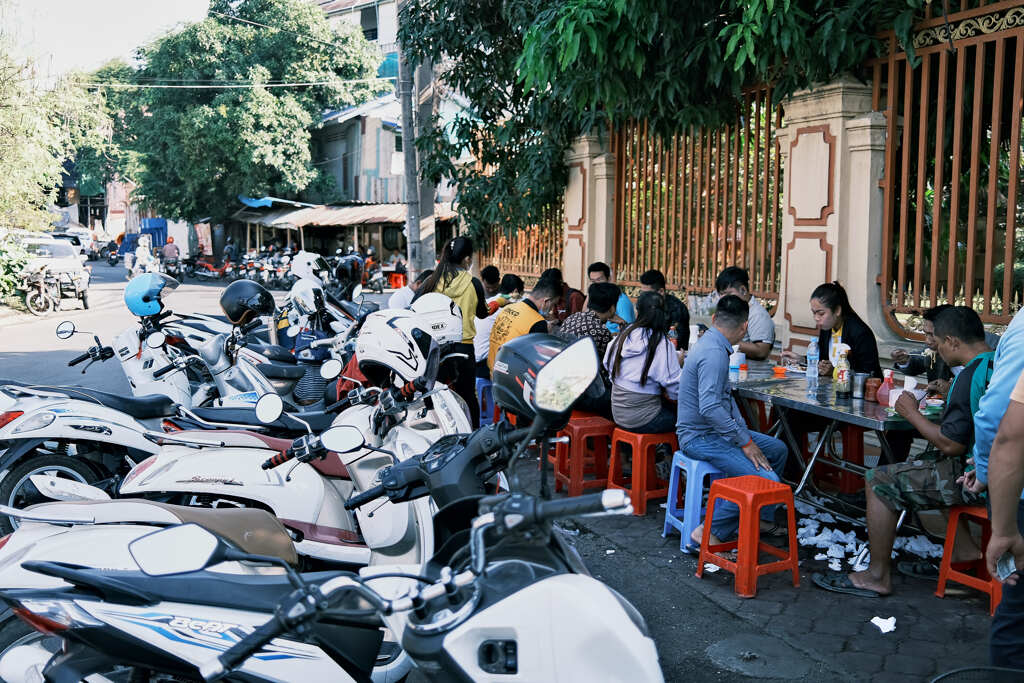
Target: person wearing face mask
[(643, 367), (524, 317), (452, 278)]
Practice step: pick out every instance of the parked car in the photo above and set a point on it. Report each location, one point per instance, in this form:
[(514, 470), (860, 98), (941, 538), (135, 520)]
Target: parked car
[(54, 272), (76, 241)]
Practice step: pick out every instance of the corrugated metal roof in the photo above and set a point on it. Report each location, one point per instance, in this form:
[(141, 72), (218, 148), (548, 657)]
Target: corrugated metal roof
[(364, 214)]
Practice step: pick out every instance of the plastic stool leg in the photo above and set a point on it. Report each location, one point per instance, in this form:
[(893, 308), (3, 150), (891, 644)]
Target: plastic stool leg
[(705, 541), (694, 507), (671, 509), (794, 555), (947, 552), (747, 551)]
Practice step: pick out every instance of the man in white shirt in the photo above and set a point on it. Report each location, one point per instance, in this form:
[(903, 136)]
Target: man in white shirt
[(757, 344), (403, 297)]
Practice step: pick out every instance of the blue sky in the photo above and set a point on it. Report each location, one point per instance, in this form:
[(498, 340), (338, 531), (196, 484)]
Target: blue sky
[(62, 35)]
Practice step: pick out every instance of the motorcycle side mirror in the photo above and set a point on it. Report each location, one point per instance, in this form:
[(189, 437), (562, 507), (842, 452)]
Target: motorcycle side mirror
[(331, 369), (566, 376), (176, 550), (342, 439), (156, 340), (269, 408), (65, 329), (357, 292)]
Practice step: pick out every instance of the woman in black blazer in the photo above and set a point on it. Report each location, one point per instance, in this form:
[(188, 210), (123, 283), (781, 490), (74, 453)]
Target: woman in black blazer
[(838, 322)]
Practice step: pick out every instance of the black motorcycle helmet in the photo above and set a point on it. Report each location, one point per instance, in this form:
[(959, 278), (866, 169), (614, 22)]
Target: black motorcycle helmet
[(515, 371), (244, 300)]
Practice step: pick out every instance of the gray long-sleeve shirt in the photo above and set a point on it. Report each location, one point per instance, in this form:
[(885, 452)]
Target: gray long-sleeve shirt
[(706, 405)]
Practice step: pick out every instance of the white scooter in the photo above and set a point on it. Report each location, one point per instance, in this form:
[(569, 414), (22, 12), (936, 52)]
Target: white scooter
[(517, 606)]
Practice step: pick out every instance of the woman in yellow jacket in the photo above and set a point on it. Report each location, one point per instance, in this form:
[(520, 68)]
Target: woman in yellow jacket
[(452, 278)]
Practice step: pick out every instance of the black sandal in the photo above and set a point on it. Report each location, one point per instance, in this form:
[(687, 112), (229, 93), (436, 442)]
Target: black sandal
[(839, 582), (920, 569)]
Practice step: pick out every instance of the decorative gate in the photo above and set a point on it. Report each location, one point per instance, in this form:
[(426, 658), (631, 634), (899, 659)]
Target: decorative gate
[(528, 252), (701, 200), (953, 195)]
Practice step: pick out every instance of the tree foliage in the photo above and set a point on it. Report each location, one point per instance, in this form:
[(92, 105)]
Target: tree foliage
[(39, 130), (539, 73), (193, 150)]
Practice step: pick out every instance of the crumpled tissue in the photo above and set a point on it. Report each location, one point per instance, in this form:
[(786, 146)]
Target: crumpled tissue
[(884, 625)]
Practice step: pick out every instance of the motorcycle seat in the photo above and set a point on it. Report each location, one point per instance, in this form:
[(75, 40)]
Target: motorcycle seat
[(254, 531), (319, 420), (281, 371), (272, 351), (139, 407)]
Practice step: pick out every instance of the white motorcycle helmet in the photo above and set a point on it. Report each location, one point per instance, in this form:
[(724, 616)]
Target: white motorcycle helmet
[(309, 266), (307, 297), (393, 347), (439, 316)]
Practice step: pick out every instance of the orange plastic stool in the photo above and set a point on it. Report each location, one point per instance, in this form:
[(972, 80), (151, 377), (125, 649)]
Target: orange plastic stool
[(853, 452), (396, 280), (574, 460), (981, 579), (643, 484), (750, 493)]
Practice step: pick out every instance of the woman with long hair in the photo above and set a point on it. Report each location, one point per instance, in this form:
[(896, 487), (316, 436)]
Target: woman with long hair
[(643, 364), (839, 323), (452, 278)]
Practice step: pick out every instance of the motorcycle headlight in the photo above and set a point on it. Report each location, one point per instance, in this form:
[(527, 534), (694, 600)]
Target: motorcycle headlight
[(37, 421)]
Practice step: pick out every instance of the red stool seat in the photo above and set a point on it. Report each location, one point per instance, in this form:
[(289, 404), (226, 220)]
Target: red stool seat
[(981, 579), (750, 493), (396, 280), (643, 484), (575, 460)]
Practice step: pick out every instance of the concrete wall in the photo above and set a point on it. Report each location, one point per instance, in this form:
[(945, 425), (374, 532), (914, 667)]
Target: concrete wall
[(833, 157)]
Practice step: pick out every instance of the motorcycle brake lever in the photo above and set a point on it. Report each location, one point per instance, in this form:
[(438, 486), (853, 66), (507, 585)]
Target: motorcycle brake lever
[(91, 361)]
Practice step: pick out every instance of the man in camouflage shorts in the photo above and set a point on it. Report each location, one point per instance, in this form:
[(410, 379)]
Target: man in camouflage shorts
[(932, 481)]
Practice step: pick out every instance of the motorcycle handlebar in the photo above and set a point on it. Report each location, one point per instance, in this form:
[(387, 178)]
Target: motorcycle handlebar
[(163, 371), (241, 650), (279, 459), (79, 359), (250, 326), (581, 505), (364, 498)]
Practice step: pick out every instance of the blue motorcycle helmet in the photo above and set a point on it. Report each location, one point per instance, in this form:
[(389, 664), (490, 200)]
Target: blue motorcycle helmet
[(144, 294)]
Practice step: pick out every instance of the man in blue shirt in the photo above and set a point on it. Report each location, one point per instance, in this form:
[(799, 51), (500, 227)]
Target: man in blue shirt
[(709, 424), (624, 312), (1006, 479)]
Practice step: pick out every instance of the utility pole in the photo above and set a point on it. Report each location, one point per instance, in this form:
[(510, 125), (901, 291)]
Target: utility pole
[(412, 194)]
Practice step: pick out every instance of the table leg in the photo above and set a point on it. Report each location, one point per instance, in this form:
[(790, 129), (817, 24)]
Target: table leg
[(826, 436)]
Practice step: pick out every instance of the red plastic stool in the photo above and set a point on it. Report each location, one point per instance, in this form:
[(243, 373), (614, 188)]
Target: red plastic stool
[(750, 493), (396, 280), (574, 460), (643, 483), (981, 579), (853, 452)]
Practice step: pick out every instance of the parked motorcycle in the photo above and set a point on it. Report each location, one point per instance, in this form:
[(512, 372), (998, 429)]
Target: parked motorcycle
[(504, 570), (205, 268), (46, 289)]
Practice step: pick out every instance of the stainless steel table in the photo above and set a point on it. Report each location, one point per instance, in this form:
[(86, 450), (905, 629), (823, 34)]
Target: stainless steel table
[(794, 394)]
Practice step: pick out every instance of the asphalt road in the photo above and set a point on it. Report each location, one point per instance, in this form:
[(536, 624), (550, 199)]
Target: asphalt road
[(30, 350)]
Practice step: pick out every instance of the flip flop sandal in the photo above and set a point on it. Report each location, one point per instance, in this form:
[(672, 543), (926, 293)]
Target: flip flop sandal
[(776, 530), (920, 569), (839, 582)]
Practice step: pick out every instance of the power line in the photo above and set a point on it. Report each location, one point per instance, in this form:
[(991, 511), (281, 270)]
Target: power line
[(272, 28), (226, 86)]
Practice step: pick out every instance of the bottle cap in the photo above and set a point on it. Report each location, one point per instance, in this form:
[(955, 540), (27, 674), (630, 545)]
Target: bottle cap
[(743, 366)]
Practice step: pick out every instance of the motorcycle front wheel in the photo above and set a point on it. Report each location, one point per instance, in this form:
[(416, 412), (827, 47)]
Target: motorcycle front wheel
[(18, 491), (38, 303)]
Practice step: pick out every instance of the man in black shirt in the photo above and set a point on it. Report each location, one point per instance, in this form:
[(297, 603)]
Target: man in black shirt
[(931, 481), (678, 315)]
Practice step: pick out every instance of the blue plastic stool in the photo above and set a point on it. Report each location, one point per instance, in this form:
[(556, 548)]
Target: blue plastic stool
[(690, 517), (485, 399)]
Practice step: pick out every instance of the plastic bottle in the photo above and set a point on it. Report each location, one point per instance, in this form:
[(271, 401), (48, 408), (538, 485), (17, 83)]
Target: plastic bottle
[(885, 388), (812, 361), (842, 377)]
